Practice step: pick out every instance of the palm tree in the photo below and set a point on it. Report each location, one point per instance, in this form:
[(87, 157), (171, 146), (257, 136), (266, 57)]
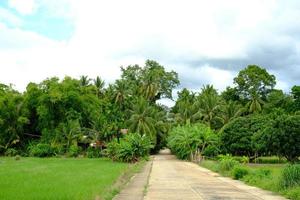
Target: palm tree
[(254, 105), (84, 80), (99, 83), (208, 104), (71, 132), (120, 92), (142, 120), (231, 110)]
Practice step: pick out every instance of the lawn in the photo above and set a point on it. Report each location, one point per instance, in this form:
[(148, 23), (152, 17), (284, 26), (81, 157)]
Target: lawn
[(265, 176), (58, 178)]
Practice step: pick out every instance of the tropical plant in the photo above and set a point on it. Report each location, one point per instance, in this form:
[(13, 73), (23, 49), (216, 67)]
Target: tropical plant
[(186, 141), (131, 148)]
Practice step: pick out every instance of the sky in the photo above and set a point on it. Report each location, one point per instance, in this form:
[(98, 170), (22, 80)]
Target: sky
[(206, 42)]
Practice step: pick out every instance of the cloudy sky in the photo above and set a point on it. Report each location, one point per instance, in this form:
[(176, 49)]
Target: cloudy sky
[(206, 42)]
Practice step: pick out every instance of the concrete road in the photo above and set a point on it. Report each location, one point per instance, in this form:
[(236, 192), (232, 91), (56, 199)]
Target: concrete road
[(172, 179)]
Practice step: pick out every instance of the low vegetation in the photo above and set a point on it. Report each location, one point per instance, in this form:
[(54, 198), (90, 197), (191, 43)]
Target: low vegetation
[(279, 178), (59, 178)]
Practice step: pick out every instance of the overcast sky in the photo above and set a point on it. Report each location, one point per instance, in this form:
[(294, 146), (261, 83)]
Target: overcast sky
[(206, 42)]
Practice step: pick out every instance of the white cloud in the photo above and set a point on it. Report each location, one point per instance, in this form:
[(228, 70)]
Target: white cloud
[(25, 7), (109, 34)]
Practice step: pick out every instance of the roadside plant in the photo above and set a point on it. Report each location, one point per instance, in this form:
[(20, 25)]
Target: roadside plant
[(131, 148), (290, 176), (188, 140), (239, 172)]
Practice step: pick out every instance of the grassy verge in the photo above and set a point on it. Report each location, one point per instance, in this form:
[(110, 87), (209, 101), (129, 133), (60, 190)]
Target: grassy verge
[(62, 178), (123, 180), (265, 176)]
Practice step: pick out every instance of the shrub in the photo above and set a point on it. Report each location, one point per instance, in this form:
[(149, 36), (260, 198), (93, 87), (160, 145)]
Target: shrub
[(41, 150), (185, 141), (17, 157), (270, 160), (92, 152), (227, 164), (262, 173), (11, 152), (239, 172), (290, 176), (74, 151), (130, 148)]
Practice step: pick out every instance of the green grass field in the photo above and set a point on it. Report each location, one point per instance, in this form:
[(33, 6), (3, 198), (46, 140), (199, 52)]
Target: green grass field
[(265, 176), (58, 178)]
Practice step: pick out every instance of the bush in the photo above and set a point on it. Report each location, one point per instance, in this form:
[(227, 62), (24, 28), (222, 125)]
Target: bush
[(239, 172), (41, 150), (185, 141), (74, 151), (130, 148), (17, 157), (92, 152), (290, 176), (293, 193), (262, 173), (270, 160), (11, 152), (227, 164)]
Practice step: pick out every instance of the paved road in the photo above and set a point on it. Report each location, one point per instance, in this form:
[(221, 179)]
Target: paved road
[(172, 179)]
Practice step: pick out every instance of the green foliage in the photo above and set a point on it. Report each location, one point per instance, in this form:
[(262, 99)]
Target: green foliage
[(227, 163), (11, 152), (241, 159), (74, 151), (282, 137), (17, 157), (238, 136), (254, 80), (296, 96), (187, 140), (270, 160), (41, 150), (290, 176), (93, 152), (239, 172), (131, 148)]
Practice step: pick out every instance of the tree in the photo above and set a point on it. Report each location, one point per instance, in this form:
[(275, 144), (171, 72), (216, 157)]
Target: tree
[(183, 111), (209, 105), (99, 83), (142, 119), (84, 80), (230, 111), (282, 137), (296, 96), (152, 81), (277, 99), (237, 137), (13, 118), (253, 84)]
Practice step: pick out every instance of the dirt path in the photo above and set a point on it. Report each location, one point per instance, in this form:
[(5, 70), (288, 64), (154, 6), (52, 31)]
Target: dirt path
[(171, 179)]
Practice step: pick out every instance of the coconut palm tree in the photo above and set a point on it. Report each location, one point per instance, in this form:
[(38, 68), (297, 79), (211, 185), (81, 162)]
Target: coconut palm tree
[(142, 119), (208, 104), (99, 83), (84, 80), (231, 110)]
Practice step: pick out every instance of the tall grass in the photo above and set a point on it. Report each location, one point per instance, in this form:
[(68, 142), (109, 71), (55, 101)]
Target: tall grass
[(290, 176)]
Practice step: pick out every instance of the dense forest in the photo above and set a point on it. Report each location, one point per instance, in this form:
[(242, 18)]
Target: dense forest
[(84, 116)]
